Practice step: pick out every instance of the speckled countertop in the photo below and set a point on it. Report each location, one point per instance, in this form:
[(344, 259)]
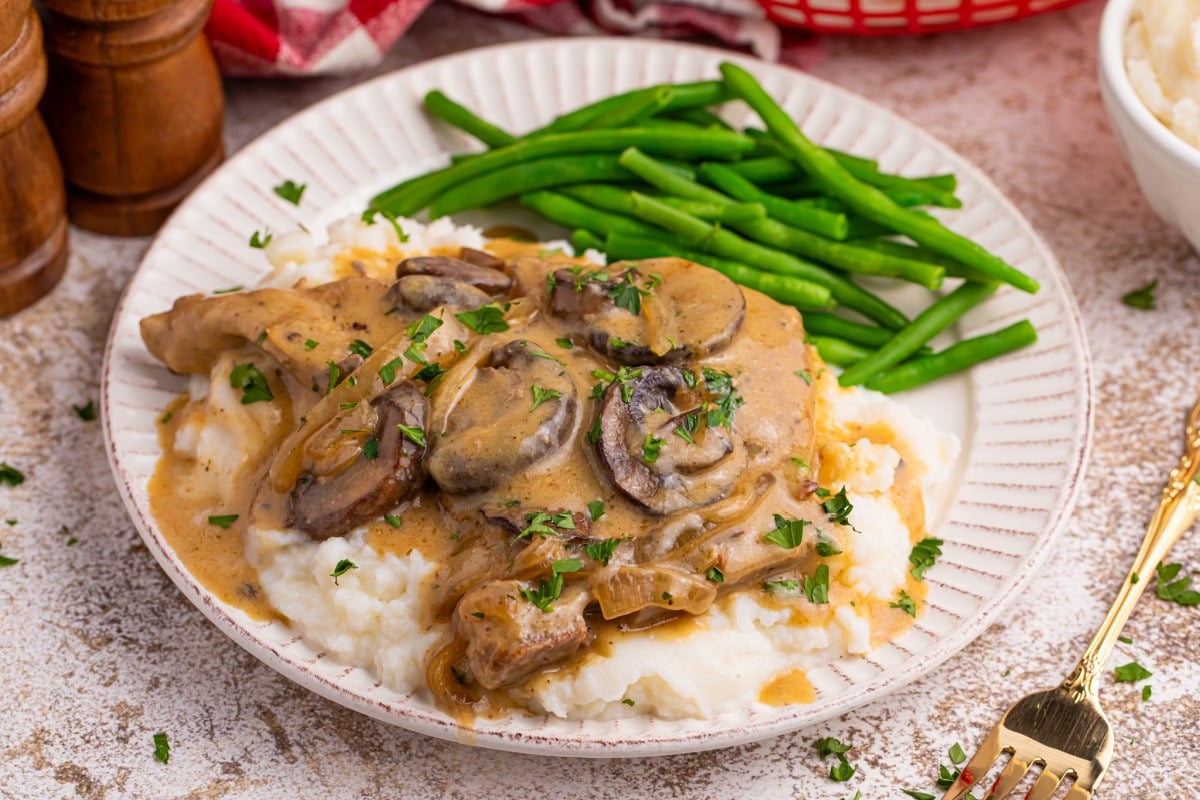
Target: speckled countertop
[(98, 650)]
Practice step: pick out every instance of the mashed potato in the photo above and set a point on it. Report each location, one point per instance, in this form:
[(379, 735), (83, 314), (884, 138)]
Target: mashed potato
[(1162, 55), (726, 658)]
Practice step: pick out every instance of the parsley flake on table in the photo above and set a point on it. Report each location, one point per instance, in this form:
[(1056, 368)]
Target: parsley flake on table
[(918, 795), (1131, 673), (484, 320), (957, 756), (87, 413), (541, 395), (829, 746), (260, 239), (290, 191), (1146, 692), (1173, 589), (905, 604), (923, 556), (5, 561), (252, 382), (1142, 297), (602, 551), (341, 568), (223, 520), (162, 748), (10, 474), (787, 533)]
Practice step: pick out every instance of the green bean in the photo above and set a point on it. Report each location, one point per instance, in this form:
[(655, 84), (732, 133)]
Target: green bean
[(838, 327), (702, 117), (807, 217), (928, 324), (582, 240), (957, 357), (721, 242), (682, 96), (679, 140), (466, 120), (785, 289), (717, 212), (838, 352), (518, 179), (570, 213), (866, 200)]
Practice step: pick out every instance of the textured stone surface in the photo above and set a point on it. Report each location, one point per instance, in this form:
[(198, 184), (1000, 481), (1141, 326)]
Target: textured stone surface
[(98, 651)]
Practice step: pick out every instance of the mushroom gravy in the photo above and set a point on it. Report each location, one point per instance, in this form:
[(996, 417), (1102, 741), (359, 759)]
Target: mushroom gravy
[(581, 467)]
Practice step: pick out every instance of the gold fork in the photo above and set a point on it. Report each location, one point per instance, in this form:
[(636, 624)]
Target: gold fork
[(1063, 729)]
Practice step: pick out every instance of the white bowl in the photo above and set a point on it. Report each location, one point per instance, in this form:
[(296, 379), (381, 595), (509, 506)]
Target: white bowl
[(1167, 168)]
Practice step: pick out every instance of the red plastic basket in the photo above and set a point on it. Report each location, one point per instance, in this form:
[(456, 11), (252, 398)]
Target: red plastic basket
[(892, 17)]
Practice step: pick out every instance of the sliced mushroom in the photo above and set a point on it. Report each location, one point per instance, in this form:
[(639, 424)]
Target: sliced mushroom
[(497, 426), (353, 477), (481, 258), (663, 311), (509, 638), (487, 278), (648, 460), (427, 292)]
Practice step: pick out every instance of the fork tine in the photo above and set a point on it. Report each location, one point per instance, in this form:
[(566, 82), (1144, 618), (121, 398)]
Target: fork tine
[(1079, 792), (977, 767), (1010, 777), (1045, 785)]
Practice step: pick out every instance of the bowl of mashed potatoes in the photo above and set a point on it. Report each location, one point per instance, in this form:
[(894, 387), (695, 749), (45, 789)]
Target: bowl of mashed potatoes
[(1150, 80)]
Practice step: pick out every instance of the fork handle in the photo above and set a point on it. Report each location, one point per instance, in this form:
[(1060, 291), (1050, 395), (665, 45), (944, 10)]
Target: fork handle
[(1177, 510)]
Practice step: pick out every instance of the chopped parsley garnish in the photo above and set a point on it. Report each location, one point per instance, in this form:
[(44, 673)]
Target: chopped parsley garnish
[(87, 413), (370, 449), (413, 433), (628, 295), (923, 556), (788, 588), (541, 395), (162, 748), (1135, 578), (905, 604), (259, 239), (624, 376), (360, 348), (416, 352), (341, 568), (547, 356), (566, 565), (1142, 297), (347, 406), (394, 520), (539, 522), (484, 320), (650, 448), (829, 746), (826, 548), (165, 418), (918, 795), (229, 290), (262, 337), (788, 533), (10, 522), (602, 551), (628, 701), (1125, 639), (291, 191), (838, 508), (310, 344), (420, 330), (687, 428), (565, 344), (430, 374), (335, 374), (594, 433), (1177, 591), (459, 346), (1131, 673), (550, 590), (668, 597), (387, 373), (222, 520), (596, 509), (816, 588), (947, 776), (10, 474), (715, 575), (725, 400), (804, 375), (252, 382)]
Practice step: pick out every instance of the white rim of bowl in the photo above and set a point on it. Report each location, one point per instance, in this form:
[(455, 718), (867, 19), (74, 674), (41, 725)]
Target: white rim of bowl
[(1111, 57)]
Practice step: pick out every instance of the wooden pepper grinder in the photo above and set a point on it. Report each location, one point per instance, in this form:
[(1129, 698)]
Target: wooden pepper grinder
[(134, 105), (33, 220)]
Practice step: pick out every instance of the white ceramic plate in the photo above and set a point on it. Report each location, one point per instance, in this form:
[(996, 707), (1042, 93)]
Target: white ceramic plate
[(1025, 420)]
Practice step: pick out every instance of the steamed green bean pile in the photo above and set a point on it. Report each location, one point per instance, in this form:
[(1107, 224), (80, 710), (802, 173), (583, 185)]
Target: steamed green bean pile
[(655, 172)]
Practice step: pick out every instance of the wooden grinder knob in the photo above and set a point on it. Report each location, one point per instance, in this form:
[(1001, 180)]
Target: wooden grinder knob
[(33, 221), (134, 105)]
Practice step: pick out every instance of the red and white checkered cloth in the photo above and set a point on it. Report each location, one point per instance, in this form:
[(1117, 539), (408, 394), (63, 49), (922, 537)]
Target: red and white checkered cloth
[(311, 37)]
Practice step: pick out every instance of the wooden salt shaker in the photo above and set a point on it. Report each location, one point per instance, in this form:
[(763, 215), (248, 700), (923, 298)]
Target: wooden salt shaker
[(33, 221), (134, 105)]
